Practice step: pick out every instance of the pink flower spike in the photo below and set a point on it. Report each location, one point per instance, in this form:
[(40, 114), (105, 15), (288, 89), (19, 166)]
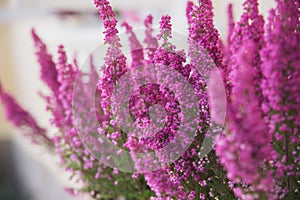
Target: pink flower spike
[(23, 119), (136, 48), (48, 70)]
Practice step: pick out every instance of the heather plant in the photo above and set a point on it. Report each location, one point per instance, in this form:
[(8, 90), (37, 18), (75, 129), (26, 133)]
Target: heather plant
[(211, 121)]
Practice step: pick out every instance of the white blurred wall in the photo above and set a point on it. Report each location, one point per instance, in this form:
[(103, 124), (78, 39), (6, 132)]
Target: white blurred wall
[(6, 69)]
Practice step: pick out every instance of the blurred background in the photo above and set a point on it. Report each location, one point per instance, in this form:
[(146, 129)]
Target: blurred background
[(27, 172)]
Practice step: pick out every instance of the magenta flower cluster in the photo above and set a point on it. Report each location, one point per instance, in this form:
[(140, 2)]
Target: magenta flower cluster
[(257, 152)]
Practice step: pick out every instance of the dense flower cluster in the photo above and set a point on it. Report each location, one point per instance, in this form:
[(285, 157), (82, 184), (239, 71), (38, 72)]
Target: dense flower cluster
[(257, 154), (280, 61), (242, 154)]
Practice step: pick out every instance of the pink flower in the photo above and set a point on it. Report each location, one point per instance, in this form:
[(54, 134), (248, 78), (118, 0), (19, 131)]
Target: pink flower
[(136, 49), (281, 86), (48, 69), (23, 119)]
